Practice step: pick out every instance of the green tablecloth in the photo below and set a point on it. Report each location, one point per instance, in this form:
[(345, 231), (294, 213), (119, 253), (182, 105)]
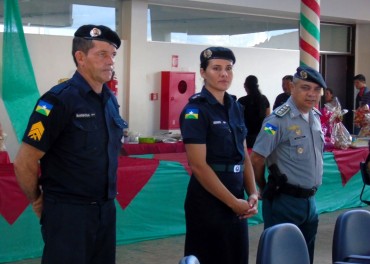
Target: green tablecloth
[(157, 210)]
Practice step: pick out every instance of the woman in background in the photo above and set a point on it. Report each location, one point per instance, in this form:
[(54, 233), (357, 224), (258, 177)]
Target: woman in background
[(256, 108)]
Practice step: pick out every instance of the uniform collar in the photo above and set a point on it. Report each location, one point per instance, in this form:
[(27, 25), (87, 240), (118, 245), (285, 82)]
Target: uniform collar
[(85, 88), (212, 100), (294, 112)]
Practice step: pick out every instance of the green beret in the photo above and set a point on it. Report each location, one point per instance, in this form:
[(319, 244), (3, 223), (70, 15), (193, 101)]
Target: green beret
[(217, 53), (100, 32), (309, 74)]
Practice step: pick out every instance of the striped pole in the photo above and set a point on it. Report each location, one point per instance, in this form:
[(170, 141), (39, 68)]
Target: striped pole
[(309, 33)]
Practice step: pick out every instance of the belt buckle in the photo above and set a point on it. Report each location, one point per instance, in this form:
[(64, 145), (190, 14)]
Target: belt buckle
[(236, 168), (313, 190)]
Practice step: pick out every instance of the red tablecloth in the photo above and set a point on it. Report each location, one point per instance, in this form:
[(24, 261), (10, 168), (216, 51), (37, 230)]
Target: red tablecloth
[(134, 173), (4, 157), (348, 161), (155, 148), (12, 200)]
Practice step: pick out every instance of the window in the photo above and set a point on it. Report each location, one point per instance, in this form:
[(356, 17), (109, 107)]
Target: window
[(63, 17), (181, 25), (335, 38), (184, 25)]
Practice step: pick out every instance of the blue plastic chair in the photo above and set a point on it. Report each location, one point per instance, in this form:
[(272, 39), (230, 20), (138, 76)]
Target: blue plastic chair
[(351, 239), (282, 244)]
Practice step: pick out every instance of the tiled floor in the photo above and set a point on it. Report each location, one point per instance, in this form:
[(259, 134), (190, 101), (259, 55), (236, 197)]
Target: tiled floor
[(169, 250)]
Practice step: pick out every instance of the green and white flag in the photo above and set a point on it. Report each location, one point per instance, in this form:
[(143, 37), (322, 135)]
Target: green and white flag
[(19, 88)]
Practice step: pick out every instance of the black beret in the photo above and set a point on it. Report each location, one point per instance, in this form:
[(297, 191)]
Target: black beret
[(309, 74), (217, 53), (100, 32)]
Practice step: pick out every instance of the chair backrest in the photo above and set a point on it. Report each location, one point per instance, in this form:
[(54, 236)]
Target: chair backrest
[(189, 260), (366, 180), (351, 235), (281, 244), (365, 175)]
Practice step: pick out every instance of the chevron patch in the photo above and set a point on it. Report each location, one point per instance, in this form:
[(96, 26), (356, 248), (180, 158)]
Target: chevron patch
[(36, 131)]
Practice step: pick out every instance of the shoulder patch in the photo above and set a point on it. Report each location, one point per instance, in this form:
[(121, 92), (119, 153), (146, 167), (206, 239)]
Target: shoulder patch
[(270, 129), (191, 113), (43, 107), (282, 110)]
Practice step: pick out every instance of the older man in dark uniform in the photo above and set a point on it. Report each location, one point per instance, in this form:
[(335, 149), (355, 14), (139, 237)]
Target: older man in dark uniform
[(75, 134), (291, 144)]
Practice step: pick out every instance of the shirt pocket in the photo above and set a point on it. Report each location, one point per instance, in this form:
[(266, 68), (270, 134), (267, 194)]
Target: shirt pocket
[(87, 134), (299, 148), (221, 130), (117, 129)]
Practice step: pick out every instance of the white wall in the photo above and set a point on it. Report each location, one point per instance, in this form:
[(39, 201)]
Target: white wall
[(267, 64), (362, 59)]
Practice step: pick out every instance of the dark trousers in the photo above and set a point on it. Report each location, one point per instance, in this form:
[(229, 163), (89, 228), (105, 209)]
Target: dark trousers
[(77, 233), (299, 211)]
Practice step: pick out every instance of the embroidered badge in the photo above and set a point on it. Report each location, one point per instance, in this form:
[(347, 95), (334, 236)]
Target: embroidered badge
[(270, 129), (36, 131), (191, 113), (43, 108), (296, 129)]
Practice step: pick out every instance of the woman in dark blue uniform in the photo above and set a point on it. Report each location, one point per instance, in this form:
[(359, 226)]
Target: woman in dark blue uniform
[(213, 130)]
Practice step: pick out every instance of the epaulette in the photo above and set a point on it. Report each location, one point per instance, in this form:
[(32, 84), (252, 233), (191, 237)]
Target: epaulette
[(60, 87), (317, 111), (282, 110), (196, 98)]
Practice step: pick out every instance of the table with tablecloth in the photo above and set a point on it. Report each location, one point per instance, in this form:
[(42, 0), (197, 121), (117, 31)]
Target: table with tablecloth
[(151, 192), (152, 148)]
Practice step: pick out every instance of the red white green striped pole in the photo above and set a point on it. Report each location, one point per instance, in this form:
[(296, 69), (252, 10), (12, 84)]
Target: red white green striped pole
[(309, 33)]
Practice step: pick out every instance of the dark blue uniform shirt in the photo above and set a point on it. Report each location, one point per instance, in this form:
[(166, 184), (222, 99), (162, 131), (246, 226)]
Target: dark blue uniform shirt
[(221, 127), (80, 132)]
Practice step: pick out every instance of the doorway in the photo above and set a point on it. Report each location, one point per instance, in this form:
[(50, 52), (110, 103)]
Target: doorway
[(338, 71)]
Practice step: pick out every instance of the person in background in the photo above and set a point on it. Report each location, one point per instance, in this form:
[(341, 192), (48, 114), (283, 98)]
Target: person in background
[(256, 108), (363, 95), (286, 83), (213, 131), (329, 97), (291, 144), (74, 134)]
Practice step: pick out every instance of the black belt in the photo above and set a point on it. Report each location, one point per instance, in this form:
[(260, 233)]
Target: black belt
[(297, 191), (227, 167)]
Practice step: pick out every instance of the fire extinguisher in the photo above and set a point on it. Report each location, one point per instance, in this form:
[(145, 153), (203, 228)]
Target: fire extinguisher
[(113, 84)]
